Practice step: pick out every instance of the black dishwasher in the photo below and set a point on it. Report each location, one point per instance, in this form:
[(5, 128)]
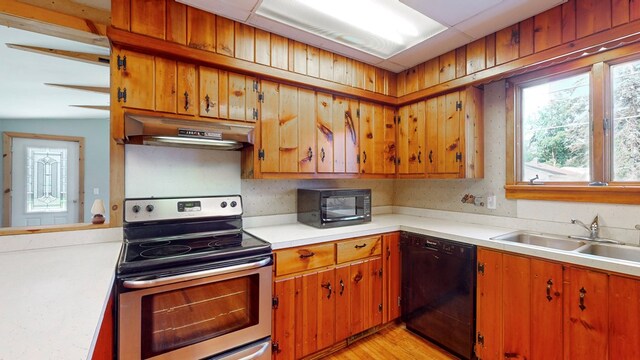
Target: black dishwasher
[(438, 291)]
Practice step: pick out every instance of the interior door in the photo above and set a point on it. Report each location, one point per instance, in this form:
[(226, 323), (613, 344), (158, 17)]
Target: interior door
[(45, 182)]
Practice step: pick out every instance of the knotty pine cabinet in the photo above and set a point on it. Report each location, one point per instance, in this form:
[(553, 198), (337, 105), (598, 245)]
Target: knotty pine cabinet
[(391, 267), (442, 137), (528, 308), (377, 139), (318, 303), (134, 79), (227, 95)]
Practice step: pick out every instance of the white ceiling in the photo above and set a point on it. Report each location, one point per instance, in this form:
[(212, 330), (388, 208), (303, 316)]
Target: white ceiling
[(467, 20), (23, 93)]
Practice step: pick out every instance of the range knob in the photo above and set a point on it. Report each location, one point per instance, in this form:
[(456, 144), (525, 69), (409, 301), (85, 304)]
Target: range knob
[(223, 204), (233, 204), (149, 208), (136, 208)]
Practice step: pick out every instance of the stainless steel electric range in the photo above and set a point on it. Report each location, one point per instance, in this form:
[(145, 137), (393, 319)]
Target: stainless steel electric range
[(191, 283)]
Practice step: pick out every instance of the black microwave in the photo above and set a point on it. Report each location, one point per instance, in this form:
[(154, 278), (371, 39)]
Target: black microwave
[(325, 208)]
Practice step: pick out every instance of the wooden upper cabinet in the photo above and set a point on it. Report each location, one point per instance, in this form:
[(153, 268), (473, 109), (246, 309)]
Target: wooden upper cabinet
[(377, 134), (588, 314), (455, 146), (135, 79), (243, 97), (187, 89), (208, 94), (307, 131), (165, 83), (325, 132), (411, 139)]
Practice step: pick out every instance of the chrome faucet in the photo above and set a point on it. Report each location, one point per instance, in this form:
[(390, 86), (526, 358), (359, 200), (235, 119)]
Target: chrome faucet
[(593, 230)]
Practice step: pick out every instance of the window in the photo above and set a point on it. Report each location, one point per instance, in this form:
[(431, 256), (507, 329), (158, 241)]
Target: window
[(576, 131)]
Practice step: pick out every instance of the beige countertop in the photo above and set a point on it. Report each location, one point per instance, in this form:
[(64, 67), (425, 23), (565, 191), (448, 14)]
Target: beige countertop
[(297, 234), (53, 300)]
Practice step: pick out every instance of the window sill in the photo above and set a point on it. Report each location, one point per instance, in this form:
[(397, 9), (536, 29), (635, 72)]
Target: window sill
[(618, 194)]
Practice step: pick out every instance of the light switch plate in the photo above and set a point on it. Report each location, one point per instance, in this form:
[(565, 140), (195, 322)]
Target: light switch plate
[(491, 202)]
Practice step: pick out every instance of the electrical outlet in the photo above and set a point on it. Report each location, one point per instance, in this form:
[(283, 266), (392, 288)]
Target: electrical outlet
[(96, 191), (491, 202)]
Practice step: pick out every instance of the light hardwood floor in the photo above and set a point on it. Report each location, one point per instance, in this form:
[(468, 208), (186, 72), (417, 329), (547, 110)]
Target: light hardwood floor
[(393, 342)]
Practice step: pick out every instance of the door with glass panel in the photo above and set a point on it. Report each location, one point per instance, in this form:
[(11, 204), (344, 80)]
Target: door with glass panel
[(44, 180)]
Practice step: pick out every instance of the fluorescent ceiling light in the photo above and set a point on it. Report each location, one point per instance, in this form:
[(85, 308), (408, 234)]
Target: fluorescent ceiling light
[(378, 27)]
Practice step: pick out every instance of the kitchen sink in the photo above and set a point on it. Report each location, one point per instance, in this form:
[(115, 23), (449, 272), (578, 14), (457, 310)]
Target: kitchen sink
[(620, 252), (544, 240)]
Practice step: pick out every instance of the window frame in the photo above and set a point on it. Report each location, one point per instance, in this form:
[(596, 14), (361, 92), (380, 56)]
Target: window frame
[(601, 140)]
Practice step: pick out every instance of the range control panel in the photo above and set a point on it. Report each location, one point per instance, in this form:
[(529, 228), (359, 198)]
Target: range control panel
[(156, 209)]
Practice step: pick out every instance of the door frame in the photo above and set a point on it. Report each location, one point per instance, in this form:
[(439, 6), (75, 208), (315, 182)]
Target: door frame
[(7, 162)]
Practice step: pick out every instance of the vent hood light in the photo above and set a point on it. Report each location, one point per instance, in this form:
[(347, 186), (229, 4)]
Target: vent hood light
[(179, 141), (378, 27)]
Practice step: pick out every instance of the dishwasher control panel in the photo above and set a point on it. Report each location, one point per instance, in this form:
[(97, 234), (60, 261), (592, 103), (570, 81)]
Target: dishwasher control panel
[(427, 242)]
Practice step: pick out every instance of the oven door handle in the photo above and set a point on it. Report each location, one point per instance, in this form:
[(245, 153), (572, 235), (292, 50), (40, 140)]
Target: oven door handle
[(254, 355), (143, 284)]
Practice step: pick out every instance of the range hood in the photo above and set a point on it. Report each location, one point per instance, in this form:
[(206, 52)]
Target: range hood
[(161, 131)]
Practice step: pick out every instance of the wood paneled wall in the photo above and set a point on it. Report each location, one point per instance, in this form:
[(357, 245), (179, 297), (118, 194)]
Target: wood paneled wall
[(561, 25), (185, 25)]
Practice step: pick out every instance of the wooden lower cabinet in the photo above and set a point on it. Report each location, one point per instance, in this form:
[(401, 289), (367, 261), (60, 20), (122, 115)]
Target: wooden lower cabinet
[(528, 308), (316, 309)]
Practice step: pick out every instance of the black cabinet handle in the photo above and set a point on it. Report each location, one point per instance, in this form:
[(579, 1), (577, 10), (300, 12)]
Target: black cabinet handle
[(583, 293), (341, 287), (322, 154), (360, 246), (186, 101), (549, 284), (430, 156), (328, 287), (364, 157), (419, 157), (357, 278), (304, 256), (207, 99), (310, 153)]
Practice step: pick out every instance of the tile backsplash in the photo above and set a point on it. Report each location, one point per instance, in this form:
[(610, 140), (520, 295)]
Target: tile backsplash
[(271, 197)]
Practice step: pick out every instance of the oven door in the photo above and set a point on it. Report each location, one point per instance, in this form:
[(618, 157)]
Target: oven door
[(174, 318)]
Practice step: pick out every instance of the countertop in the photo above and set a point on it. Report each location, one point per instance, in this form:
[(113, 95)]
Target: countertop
[(297, 234), (53, 299)]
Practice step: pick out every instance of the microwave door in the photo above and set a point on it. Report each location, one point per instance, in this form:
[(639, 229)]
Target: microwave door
[(338, 214)]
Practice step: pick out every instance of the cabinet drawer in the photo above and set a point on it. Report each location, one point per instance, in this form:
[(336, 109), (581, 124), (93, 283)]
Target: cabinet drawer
[(304, 258), (358, 248)]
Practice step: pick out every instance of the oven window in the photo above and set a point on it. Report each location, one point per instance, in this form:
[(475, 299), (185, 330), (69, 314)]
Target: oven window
[(339, 207), (182, 317)]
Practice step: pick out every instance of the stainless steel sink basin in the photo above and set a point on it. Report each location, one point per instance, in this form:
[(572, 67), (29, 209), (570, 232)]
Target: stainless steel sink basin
[(543, 240), (620, 252)]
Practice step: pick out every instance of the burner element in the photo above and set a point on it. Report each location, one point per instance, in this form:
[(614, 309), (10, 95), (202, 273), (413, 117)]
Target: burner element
[(164, 251), (225, 243)]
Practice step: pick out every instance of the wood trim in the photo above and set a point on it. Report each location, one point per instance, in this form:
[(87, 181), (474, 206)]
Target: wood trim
[(32, 18), (7, 138), (617, 37), (96, 89), (159, 47), (95, 59), (574, 193), (73, 8), (19, 230)]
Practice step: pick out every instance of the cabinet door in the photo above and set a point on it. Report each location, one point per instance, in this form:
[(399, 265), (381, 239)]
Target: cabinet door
[(368, 118), (325, 134), (546, 310), (624, 318), (352, 139), (307, 131), (358, 281), (411, 139), (444, 137), (243, 97), (341, 135), (284, 316), (516, 308), (165, 85), (136, 80), (270, 127), (288, 121), (187, 89), (374, 306), (385, 144), (588, 314), (489, 306), (208, 92), (327, 293), (392, 276), (343, 299), (306, 318), (377, 139)]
